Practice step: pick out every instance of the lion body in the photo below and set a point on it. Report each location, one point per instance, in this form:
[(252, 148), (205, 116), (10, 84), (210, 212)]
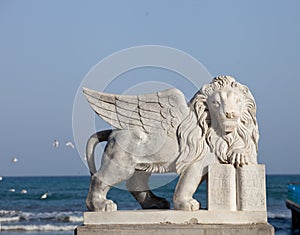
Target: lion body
[(160, 161), (221, 124)]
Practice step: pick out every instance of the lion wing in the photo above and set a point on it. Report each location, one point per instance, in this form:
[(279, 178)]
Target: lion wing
[(158, 111)]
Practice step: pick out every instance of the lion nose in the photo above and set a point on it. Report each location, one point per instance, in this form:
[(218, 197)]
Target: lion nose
[(230, 115)]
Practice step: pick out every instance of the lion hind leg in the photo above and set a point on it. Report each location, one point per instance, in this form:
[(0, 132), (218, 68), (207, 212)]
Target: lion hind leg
[(112, 172), (139, 189), (96, 199)]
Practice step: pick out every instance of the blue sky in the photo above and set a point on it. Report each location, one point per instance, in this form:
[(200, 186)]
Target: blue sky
[(47, 48)]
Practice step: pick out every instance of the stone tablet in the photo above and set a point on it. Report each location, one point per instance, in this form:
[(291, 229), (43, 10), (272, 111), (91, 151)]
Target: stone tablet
[(251, 188), (221, 188)]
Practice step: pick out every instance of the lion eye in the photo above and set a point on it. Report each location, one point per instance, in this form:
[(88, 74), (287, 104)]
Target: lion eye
[(216, 103)]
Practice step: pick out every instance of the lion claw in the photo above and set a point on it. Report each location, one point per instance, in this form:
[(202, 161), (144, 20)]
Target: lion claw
[(109, 205), (195, 205), (100, 204), (238, 159), (190, 205)]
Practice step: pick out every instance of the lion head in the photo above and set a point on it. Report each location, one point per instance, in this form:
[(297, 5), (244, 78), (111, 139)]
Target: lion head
[(223, 119)]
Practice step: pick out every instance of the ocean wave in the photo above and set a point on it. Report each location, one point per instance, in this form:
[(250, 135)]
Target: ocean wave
[(279, 215), (59, 216), (8, 213), (50, 215), (9, 219), (45, 227), (76, 218)]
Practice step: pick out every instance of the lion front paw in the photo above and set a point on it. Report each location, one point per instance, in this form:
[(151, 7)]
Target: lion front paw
[(109, 205), (238, 159), (100, 204), (189, 205)]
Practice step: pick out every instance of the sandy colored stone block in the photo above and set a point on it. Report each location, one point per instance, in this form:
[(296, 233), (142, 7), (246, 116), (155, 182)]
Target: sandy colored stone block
[(178, 229), (251, 188), (221, 191), (174, 217)]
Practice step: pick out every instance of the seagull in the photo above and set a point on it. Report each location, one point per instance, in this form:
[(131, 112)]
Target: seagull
[(44, 196), (14, 159), (55, 143), (23, 191), (12, 190), (70, 144)]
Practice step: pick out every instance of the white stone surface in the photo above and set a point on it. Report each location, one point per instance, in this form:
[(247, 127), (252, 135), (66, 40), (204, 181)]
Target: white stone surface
[(221, 188), (251, 188), (161, 132), (174, 216)]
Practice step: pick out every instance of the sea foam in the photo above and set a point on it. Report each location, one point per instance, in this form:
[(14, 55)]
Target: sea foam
[(45, 227)]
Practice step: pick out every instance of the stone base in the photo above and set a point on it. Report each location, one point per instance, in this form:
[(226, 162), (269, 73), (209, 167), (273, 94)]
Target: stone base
[(174, 217), (177, 222), (178, 229)]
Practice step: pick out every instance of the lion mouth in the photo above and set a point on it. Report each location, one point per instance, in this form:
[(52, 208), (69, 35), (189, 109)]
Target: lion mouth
[(228, 126), (229, 123), (229, 120)]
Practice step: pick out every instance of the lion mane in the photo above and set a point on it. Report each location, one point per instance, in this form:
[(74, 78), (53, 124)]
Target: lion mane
[(196, 135)]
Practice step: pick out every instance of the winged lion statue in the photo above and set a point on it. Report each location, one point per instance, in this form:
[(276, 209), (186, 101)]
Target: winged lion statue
[(161, 133)]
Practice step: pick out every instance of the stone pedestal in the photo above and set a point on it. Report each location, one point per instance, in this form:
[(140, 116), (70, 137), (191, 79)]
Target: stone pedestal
[(236, 205), (171, 229), (170, 222), (174, 217)]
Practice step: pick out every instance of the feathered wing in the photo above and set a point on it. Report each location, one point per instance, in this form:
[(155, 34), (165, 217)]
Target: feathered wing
[(163, 110)]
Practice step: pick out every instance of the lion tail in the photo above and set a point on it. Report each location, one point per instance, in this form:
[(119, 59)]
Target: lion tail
[(95, 139)]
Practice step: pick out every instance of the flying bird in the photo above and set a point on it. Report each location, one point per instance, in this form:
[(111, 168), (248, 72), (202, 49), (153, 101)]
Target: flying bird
[(23, 191), (70, 144), (45, 195), (55, 143)]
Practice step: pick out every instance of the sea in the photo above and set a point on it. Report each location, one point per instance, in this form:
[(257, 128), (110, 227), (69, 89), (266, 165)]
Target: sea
[(24, 209)]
